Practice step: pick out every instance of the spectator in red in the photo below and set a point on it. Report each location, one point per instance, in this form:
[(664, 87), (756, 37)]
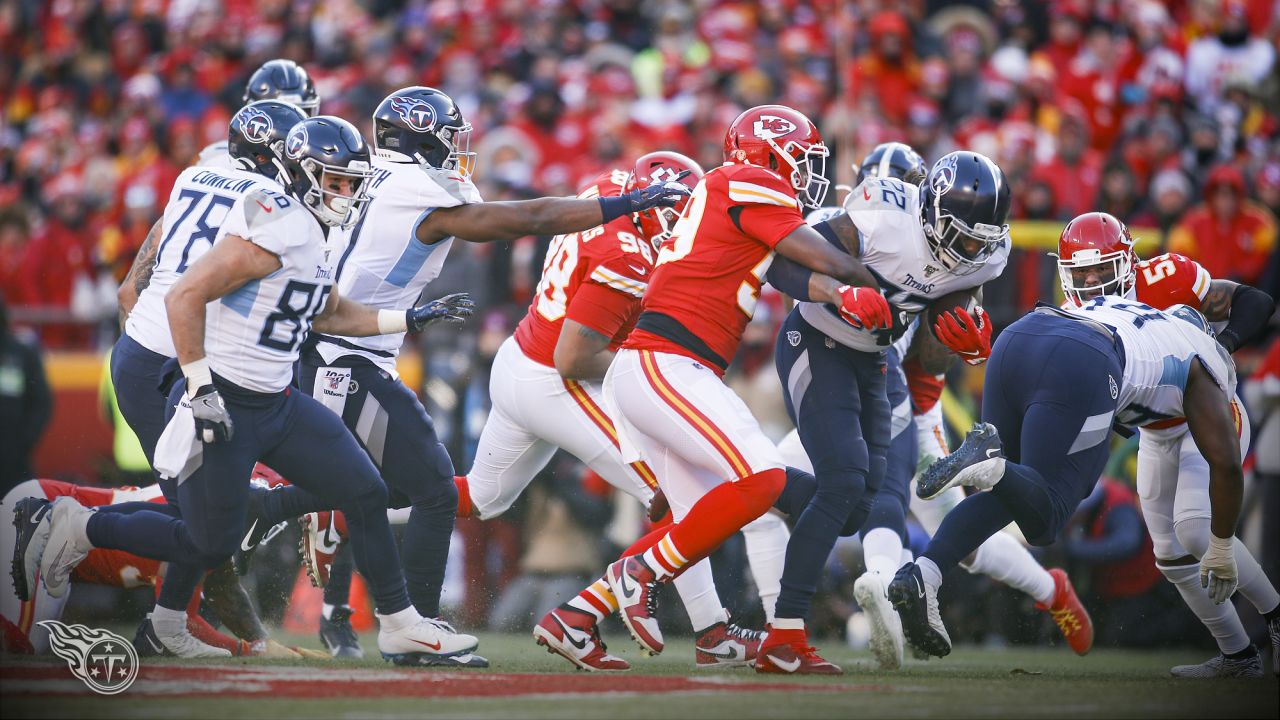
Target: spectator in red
[(1066, 28), (15, 235), (1231, 236), (1093, 78), (889, 73), (1267, 185), (1232, 53), (1075, 171), (56, 259)]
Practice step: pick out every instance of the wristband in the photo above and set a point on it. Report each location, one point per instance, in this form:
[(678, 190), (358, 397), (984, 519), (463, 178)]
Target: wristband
[(392, 321), (612, 208), (197, 374)]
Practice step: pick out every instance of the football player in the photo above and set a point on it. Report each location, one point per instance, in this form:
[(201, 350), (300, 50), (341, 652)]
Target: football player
[(422, 198), (1056, 382), (238, 317), (1096, 257), (664, 388), (924, 245)]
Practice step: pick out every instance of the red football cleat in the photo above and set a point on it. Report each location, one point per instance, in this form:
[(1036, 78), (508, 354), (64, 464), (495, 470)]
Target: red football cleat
[(788, 652), (726, 645), (1073, 620), (573, 635), (635, 586), (323, 533)]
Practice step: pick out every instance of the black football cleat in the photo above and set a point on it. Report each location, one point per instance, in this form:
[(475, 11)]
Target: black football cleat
[(917, 605), (978, 462)]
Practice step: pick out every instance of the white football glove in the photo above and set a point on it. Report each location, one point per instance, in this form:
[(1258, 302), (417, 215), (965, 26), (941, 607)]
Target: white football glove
[(1218, 569)]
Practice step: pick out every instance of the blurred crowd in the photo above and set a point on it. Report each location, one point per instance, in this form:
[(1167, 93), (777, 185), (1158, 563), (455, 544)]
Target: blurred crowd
[(1165, 114)]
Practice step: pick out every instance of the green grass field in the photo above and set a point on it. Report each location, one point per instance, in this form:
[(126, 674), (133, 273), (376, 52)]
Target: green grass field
[(971, 682)]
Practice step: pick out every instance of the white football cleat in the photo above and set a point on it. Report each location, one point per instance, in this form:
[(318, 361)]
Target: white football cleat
[(68, 544), (150, 643), (885, 625), (428, 636)]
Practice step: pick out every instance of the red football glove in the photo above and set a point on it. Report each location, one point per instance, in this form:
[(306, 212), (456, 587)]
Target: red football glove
[(969, 339), (864, 307)]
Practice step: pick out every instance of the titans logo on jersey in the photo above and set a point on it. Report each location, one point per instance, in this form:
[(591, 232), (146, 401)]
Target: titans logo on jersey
[(886, 212)]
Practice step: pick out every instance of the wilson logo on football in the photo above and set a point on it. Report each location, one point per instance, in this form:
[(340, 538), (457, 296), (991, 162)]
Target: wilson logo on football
[(257, 125), (102, 660), (772, 126), (416, 113)]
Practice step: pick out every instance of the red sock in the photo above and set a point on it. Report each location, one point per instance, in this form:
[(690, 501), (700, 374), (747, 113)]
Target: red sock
[(464, 496), (715, 517), (205, 633)]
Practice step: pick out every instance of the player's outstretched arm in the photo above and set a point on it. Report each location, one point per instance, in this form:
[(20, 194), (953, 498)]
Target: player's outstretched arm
[(1246, 309), (1213, 427), (582, 353), (508, 220), (139, 276), (344, 316)]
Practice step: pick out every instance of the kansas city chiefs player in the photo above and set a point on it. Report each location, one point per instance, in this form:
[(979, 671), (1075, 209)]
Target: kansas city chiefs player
[(1096, 257)]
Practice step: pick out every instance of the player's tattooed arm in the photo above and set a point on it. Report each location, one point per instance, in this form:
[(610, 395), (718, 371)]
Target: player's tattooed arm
[(809, 248), (1216, 304), (139, 276), (1246, 309), (582, 353), (847, 232), (229, 601)]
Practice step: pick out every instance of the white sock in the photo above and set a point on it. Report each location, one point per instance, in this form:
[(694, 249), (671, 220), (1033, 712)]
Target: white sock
[(767, 538), (788, 623), (930, 572), (1003, 558), (167, 622), (1221, 620), (395, 621), (399, 516), (1255, 586), (882, 551), (698, 593)]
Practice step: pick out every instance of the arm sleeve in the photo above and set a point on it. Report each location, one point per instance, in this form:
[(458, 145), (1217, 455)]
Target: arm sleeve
[(602, 308), (790, 278), (1251, 310)]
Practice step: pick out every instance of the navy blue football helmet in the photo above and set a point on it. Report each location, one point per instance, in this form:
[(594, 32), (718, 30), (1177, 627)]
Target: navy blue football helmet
[(423, 125), (326, 162), (256, 137), (893, 159), (283, 80), (964, 207)]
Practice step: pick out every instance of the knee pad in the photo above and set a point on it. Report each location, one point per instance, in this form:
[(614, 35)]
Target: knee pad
[(1193, 535)]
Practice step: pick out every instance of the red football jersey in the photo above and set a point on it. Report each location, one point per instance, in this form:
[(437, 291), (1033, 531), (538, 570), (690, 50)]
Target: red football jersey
[(709, 273), (1171, 279), (109, 567), (595, 277)]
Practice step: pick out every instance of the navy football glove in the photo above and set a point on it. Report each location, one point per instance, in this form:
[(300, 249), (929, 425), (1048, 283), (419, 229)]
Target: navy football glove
[(452, 308)]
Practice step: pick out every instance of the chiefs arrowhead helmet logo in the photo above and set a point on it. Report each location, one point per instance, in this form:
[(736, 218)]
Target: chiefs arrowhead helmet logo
[(415, 112), (767, 127)]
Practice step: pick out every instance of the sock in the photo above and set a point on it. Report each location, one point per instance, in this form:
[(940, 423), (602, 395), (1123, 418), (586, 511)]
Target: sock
[(596, 600), (721, 512), (1221, 620), (400, 619), (788, 624), (1003, 558), (698, 593), (1255, 586), (399, 516), (881, 550), (965, 528), (930, 572), (204, 632), (326, 611), (167, 621), (1244, 654), (664, 559), (338, 590), (767, 538), (465, 508)]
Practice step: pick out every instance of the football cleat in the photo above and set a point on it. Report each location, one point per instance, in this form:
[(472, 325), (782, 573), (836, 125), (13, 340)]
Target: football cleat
[(917, 606), (428, 636), (323, 533), (149, 643), (257, 530), (465, 660), (635, 586), (31, 521), (886, 627), (68, 544), (338, 636), (787, 652), (573, 635), (726, 645), (1221, 667), (978, 463), (1072, 619)]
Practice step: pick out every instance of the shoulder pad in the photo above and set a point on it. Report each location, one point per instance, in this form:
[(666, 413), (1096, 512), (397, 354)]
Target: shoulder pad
[(447, 188), (263, 206)]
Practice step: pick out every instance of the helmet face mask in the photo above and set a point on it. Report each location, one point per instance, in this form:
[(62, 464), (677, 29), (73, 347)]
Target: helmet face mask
[(785, 141), (1095, 257), (327, 164), (808, 170), (657, 224), (964, 202)]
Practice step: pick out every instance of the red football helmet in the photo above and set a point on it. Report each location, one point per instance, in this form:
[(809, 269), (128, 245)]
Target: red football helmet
[(656, 167), (781, 139), (1095, 239)]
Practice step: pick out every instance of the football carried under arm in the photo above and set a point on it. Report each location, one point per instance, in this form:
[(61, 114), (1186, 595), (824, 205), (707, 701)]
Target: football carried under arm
[(1213, 427), (962, 325), (507, 220)]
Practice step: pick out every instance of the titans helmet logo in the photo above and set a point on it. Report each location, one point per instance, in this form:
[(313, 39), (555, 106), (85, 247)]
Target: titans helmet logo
[(416, 113), (943, 175), (256, 125), (296, 141), (768, 127)]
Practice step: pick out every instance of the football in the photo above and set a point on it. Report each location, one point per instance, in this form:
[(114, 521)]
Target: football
[(948, 302)]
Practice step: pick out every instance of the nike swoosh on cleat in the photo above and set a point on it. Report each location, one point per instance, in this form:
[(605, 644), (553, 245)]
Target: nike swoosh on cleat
[(570, 633), (729, 654), (244, 543), (433, 646), (992, 453), (786, 665), (627, 593), (155, 644)]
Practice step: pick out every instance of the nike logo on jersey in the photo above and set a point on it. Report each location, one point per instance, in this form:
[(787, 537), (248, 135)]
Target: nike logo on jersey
[(638, 270), (265, 209), (865, 195), (576, 638), (244, 543), (791, 665)]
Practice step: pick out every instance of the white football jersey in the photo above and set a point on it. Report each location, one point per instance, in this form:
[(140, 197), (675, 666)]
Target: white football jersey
[(385, 266), (215, 155), (253, 334), (197, 208), (886, 212), (1159, 349)]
